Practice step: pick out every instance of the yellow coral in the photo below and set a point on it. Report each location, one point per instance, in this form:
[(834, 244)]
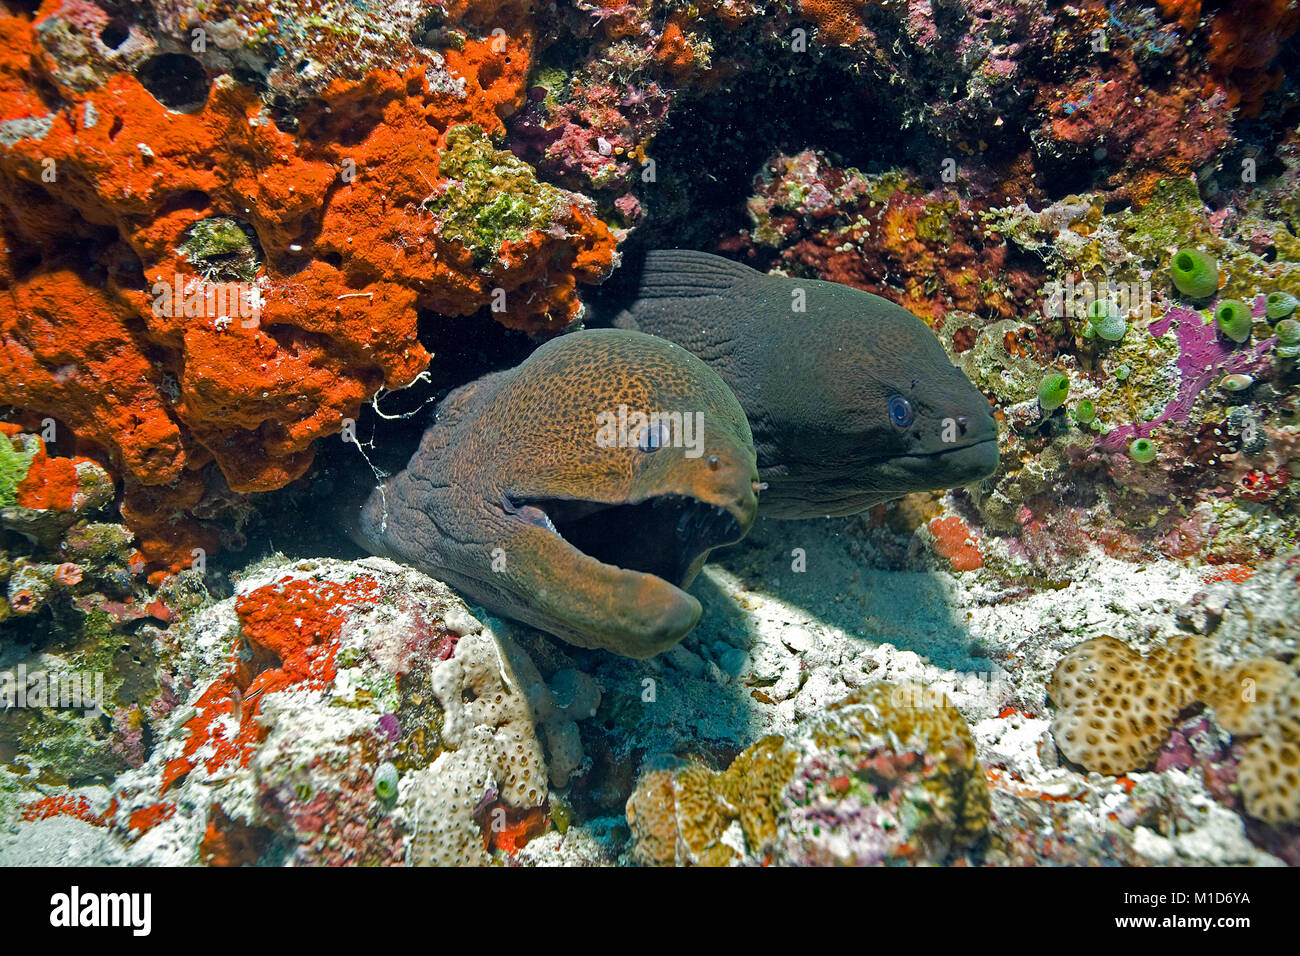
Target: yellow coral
[(1115, 708), (652, 817), (752, 785), (680, 814), (678, 817)]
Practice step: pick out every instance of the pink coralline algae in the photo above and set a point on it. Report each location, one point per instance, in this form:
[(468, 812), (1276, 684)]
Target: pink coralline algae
[(390, 727), (1203, 356)]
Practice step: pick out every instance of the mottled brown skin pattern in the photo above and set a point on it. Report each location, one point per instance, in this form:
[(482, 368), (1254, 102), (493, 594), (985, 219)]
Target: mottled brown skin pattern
[(816, 385), (530, 433)]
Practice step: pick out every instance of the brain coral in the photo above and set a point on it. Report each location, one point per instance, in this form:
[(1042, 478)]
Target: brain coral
[(371, 203), (887, 775)]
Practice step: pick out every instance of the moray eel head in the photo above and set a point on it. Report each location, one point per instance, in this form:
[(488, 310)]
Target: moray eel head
[(851, 398), (641, 464), (883, 413), (582, 491)]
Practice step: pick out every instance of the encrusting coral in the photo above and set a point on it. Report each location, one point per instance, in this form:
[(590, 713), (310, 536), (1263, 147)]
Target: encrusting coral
[(1115, 708), (886, 775)]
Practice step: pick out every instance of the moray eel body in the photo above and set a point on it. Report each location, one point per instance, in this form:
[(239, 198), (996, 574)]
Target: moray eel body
[(852, 401), (523, 496)]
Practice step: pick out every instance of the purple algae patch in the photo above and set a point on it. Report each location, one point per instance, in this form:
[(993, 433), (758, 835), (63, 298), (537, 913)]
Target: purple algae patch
[(1202, 356)]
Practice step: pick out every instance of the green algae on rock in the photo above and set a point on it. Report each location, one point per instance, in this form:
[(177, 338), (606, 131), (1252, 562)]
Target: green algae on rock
[(494, 198), (221, 250), (13, 468)]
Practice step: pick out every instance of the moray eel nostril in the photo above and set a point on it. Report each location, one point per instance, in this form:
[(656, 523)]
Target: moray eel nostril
[(516, 499)]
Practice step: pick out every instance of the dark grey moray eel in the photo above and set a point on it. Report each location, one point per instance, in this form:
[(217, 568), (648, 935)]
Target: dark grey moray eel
[(852, 402), (518, 500)]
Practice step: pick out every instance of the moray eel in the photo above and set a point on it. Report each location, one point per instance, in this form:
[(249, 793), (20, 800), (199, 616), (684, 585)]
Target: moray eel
[(538, 494), (852, 401)]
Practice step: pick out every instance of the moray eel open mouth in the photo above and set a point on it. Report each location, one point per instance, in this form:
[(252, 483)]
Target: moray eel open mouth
[(664, 535)]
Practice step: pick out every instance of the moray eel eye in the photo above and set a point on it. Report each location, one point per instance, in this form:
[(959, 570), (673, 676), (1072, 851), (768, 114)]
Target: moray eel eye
[(900, 411), (653, 437)]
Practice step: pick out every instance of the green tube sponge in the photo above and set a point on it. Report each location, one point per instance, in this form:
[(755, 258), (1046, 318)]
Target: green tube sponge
[(1195, 273), (1233, 317), (386, 781), (1105, 320), (1288, 338), (1052, 392), (1085, 411), (1142, 450), (1278, 305)]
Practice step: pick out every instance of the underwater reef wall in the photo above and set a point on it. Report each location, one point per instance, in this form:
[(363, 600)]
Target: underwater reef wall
[(191, 276), (227, 227), (223, 224)]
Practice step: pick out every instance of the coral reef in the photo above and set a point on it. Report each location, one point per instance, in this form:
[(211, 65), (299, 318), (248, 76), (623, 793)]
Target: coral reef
[(335, 713), (227, 228), (354, 217), (81, 684), (886, 775), (301, 207), (859, 229), (1115, 709)]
